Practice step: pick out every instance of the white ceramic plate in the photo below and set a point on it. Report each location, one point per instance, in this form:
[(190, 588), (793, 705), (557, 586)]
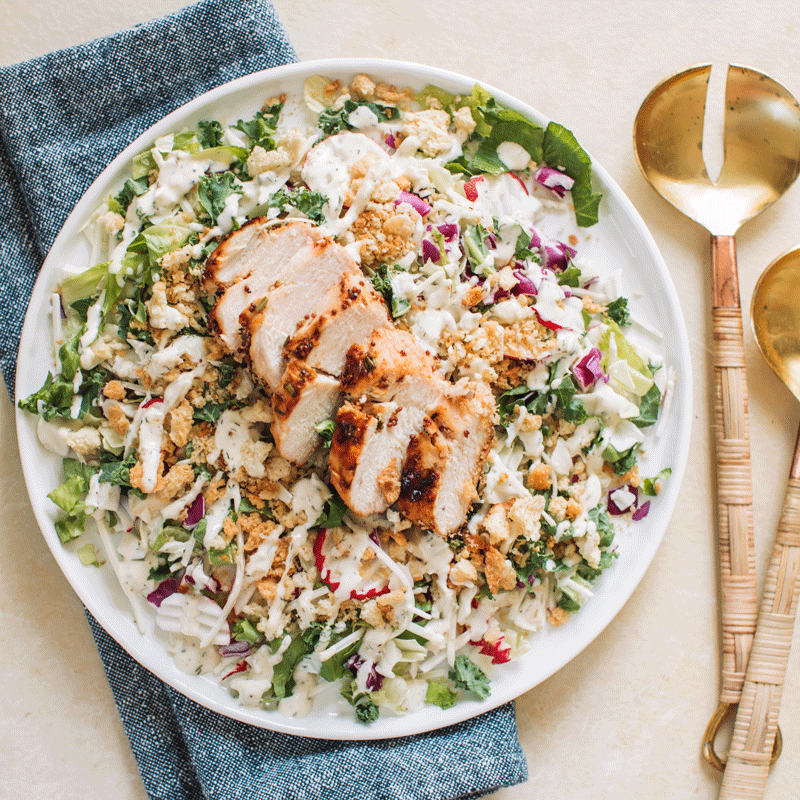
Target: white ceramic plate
[(620, 240)]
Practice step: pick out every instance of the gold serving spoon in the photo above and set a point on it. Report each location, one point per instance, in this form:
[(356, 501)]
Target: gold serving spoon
[(762, 159), (775, 316)]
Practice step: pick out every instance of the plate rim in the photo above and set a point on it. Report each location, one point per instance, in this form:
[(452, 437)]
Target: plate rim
[(427, 719)]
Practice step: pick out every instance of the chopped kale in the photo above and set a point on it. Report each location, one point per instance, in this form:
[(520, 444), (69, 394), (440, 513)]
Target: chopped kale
[(618, 311), (130, 189), (381, 278), (331, 122), (301, 198), (261, 128), (213, 192), (468, 675), (209, 133), (365, 708)]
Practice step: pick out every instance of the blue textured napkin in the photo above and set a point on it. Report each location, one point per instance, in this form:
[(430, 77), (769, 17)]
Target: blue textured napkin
[(63, 117)]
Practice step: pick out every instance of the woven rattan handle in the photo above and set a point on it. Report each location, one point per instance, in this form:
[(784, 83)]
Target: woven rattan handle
[(734, 474), (757, 717)]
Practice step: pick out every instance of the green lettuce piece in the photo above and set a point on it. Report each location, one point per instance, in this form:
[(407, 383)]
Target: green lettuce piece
[(381, 278), (639, 370), (70, 527), (88, 556), (325, 430), (652, 486), (283, 682), (440, 694), (570, 277), (85, 284), (158, 240), (649, 407), (244, 631), (571, 408), (332, 513), (142, 165), (117, 472), (621, 462), (333, 668), (55, 397), (445, 98), (225, 154), (561, 151), (468, 675)]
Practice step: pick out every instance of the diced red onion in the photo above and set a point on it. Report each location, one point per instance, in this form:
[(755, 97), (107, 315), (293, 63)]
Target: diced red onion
[(557, 182), (555, 255), (430, 252), (417, 203), (195, 512), (587, 371), (449, 230), (151, 401), (234, 649), (390, 141), (614, 509), (163, 591), (641, 512), (524, 284)]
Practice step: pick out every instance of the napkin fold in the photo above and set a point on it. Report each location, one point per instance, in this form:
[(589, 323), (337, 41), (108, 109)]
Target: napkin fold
[(63, 118)]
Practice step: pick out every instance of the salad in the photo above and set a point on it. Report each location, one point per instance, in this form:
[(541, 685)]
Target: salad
[(380, 486)]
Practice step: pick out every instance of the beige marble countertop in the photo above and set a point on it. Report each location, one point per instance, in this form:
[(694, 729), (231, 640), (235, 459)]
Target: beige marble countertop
[(626, 717)]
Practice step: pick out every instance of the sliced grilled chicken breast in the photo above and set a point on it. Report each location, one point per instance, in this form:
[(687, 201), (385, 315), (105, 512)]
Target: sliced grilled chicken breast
[(258, 246), (444, 461), (269, 322), (347, 315), (303, 399), (390, 357), (395, 377), (280, 262)]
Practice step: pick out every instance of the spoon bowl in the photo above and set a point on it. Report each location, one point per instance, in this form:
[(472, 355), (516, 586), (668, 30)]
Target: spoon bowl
[(775, 318), (761, 145)]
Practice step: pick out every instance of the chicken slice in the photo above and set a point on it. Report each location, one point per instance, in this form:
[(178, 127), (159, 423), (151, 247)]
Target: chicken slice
[(367, 452), (388, 359), (347, 315), (258, 246), (444, 462), (396, 378), (303, 399), (268, 323), (284, 261)]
